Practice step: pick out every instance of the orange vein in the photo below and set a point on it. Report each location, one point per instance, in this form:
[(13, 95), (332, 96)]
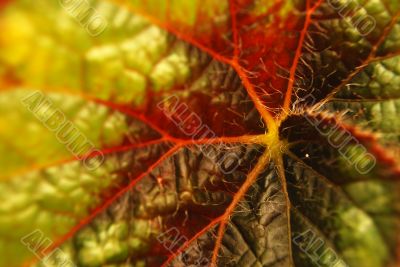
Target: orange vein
[(278, 160), (141, 117), (244, 139), (288, 94), (262, 109), (251, 178)]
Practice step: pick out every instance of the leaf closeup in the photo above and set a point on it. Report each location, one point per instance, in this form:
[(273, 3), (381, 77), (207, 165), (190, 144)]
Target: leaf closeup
[(200, 133)]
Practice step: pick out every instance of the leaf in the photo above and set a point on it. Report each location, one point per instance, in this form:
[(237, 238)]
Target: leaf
[(178, 133)]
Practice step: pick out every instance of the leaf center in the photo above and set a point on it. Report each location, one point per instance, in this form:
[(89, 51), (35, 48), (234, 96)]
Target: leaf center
[(272, 140)]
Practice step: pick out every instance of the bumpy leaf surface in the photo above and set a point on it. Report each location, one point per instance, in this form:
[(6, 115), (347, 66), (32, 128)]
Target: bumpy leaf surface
[(226, 133)]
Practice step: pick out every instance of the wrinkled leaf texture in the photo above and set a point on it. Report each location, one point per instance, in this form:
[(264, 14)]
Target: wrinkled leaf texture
[(243, 66)]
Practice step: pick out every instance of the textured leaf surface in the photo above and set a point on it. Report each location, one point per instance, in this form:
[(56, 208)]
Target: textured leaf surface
[(279, 86)]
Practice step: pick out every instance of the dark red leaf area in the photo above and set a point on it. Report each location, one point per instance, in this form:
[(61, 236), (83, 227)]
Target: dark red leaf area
[(266, 49), (173, 237), (198, 117), (260, 45)]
